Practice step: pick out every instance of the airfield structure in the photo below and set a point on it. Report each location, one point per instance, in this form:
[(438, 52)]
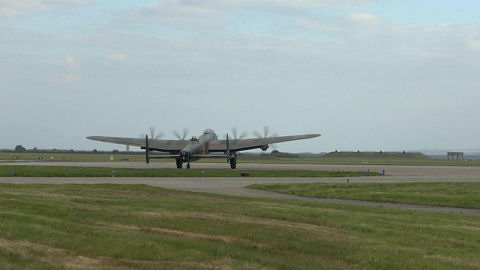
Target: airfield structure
[(455, 155)]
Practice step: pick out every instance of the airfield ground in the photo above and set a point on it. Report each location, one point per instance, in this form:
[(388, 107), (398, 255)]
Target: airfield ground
[(204, 223), (144, 227), (451, 194), (63, 171), (351, 159), (448, 172)]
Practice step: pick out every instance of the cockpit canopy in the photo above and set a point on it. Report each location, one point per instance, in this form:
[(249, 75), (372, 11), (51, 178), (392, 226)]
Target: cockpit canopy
[(210, 132)]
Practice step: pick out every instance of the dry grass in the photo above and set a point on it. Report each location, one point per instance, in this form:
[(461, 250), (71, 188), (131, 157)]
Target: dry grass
[(140, 227)]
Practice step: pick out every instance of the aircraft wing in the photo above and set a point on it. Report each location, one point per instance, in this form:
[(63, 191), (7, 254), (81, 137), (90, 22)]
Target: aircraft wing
[(154, 144), (247, 144)]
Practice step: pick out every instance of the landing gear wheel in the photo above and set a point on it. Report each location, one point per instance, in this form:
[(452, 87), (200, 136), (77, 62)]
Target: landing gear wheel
[(179, 163), (188, 165), (233, 163)]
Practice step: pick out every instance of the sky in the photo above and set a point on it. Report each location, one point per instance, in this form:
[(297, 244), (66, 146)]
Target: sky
[(368, 75)]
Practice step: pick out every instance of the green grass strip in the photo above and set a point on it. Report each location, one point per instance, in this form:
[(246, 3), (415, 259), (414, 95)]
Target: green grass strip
[(452, 194), (47, 171)]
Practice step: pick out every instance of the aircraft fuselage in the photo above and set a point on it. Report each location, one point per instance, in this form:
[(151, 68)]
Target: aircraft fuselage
[(198, 146)]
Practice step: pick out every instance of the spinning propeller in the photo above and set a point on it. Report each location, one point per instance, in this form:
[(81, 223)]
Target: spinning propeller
[(152, 134), (266, 135), (266, 132), (181, 137), (235, 136)]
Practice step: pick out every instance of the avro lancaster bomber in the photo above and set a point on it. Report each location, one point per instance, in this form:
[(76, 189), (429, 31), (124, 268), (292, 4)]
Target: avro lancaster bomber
[(206, 145)]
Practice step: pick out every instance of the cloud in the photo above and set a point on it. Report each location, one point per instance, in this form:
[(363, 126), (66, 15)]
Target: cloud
[(178, 8), (182, 15), (208, 15), (280, 4), (115, 57), (363, 17), (475, 45), (67, 78), (70, 61), (15, 8), (367, 34)]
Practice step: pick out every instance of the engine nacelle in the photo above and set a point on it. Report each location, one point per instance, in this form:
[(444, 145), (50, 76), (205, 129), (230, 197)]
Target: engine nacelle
[(264, 147)]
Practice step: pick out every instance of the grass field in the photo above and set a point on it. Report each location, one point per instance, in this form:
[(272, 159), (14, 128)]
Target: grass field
[(244, 159), (141, 227), (465, 195), (48, 171)]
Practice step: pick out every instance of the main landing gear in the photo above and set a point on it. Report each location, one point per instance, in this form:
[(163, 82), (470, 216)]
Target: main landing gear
[(233, 163), (179, 162)]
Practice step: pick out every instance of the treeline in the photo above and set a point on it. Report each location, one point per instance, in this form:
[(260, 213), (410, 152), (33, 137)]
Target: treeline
[(21, 149)]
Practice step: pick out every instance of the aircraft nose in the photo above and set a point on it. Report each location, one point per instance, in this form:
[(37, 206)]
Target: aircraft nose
[(184, 153)]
